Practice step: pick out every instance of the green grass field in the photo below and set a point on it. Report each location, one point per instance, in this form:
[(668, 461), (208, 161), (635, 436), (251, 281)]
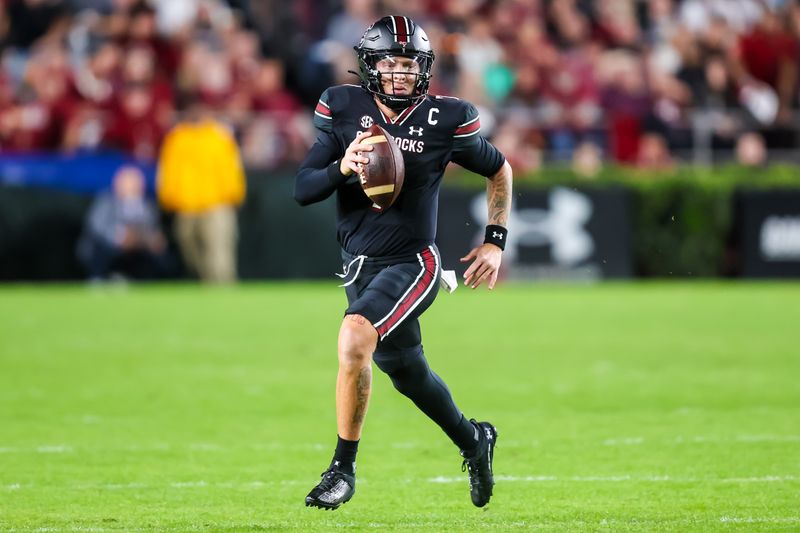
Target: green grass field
[(649, 407)]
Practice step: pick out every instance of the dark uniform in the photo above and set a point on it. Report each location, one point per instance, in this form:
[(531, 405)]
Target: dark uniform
[(390, 258), (392, 267)]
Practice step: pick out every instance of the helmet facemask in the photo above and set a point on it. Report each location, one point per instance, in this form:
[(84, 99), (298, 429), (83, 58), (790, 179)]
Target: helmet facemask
[(382, 68)]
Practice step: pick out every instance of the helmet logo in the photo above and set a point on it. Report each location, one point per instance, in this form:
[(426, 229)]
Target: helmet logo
[(366, 121), (401, 29)]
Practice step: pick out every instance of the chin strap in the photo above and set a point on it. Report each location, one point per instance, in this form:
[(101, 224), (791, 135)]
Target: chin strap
[(385, 98)]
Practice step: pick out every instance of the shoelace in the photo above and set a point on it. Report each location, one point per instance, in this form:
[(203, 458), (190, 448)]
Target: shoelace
[(328, 480), (474, 477)]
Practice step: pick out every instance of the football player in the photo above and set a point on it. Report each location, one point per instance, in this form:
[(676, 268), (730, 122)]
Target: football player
[(392, 267)]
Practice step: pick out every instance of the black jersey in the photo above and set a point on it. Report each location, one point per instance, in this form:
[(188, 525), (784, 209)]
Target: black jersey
[(430, 134)]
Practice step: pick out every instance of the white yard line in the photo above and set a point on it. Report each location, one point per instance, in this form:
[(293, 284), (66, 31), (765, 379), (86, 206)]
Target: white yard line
[(760, 520), (211, 447), (763, 479), (622, 478), (54, 449), (768, 438), (625, 441), (259, 484)]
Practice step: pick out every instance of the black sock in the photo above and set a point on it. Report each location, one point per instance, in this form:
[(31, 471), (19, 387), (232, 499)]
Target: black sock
[(344, 458)]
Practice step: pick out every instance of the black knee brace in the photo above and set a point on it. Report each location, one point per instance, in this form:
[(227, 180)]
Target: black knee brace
[(412, 377), (408, 369)]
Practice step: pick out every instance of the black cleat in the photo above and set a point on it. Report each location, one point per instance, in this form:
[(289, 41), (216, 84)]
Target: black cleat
[(479, 465), (335, 489)]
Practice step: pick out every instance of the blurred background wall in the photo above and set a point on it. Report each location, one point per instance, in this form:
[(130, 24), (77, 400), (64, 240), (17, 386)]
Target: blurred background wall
[(649, 138)]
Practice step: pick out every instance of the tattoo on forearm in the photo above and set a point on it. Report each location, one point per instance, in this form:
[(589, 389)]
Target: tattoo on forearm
[(363, 386), (499, 197)]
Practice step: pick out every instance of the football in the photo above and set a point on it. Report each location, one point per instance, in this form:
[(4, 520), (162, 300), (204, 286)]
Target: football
[(382, 177)]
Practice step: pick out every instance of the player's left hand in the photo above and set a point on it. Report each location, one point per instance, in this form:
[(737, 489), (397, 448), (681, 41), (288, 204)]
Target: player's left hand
[(485, 265)]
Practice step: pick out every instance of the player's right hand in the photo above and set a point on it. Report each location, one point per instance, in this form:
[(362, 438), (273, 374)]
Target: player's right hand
[(353, 157)]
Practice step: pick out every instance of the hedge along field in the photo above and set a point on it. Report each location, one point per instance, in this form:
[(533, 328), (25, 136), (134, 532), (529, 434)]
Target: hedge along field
[(683, 222), (683, 218)]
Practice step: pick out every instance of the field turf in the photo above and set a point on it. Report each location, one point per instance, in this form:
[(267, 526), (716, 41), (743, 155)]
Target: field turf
[(643, 407)]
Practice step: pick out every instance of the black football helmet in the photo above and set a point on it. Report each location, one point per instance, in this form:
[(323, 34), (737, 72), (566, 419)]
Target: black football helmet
[(394, 36)]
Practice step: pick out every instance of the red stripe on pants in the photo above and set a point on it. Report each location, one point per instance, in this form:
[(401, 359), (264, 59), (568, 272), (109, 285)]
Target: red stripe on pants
[(416, 293)]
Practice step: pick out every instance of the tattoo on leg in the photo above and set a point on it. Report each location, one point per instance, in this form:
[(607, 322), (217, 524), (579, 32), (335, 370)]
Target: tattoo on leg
[(363, 386), (358, 319)]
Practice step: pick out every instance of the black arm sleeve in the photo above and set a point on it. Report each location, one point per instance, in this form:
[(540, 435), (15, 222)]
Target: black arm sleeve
[(319, 175), (481, 158)]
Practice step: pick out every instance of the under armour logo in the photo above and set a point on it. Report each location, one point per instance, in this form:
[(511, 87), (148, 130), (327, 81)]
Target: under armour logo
[(415, 131), (561, 227), (497, 235)]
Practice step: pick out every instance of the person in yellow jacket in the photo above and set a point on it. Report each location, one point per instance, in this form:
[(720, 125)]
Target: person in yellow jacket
[(200, 178)]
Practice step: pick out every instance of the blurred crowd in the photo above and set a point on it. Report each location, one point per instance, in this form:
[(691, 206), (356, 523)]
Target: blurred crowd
[(85, 75), (643, 83)]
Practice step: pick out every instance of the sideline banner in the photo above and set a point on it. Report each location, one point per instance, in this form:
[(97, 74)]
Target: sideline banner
[(557, 233), (769, 233), (78, 173)]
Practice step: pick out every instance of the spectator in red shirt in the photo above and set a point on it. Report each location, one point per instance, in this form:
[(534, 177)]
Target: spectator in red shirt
[(269, 89), (135, 128), (569, 91), (94, 87), (769, 54), (37, 119), (627, 103), (139, 68)]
